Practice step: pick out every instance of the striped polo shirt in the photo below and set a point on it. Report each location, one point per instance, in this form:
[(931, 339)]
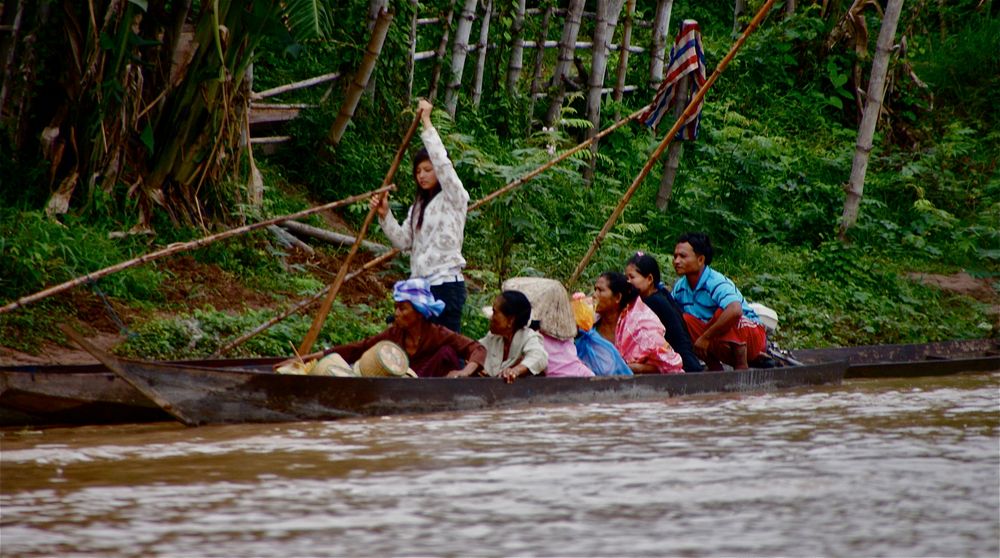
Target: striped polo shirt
[(713, 291)]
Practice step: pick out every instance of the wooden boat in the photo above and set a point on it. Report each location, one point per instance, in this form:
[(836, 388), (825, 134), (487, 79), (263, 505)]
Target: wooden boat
[(201, 395), (911, 361), (93, 394)]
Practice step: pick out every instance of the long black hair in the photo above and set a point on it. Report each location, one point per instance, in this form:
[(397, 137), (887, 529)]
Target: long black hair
[(515, 305), (619, 285), (646, 265), (423, 197)]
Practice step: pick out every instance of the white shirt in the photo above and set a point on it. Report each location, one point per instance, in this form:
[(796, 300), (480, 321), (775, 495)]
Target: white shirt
[(525, 348), (436, 248)]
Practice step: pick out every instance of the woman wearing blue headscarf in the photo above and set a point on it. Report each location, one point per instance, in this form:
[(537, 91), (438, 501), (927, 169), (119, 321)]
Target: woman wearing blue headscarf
[(434, 350)]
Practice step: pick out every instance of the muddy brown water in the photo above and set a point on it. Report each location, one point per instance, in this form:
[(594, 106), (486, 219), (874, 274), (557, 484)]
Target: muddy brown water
[(870, 468)]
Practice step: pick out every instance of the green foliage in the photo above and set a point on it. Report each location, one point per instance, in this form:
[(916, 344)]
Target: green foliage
[(36, 252), (204, 331)]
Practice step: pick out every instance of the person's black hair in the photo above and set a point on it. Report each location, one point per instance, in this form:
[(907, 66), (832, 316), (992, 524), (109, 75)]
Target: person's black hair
[(619, 284), (646, 265), (515, 305), (423, 197), (701, 244)]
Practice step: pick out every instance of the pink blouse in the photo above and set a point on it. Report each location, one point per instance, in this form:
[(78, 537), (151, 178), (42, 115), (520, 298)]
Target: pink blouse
[(563, 361), (639, 338)]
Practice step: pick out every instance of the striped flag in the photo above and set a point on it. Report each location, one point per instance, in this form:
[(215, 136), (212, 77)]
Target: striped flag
[(686, 57)]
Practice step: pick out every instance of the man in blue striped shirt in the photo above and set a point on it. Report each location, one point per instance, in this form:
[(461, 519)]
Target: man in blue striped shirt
[(723, 326)]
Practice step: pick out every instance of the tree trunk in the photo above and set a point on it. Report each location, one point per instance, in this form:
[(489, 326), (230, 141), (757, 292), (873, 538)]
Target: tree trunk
[(567, 45), (536, 73), (873, 107), (484, 40), (516, 49), (375, 7), (673, 159), (459, 51), (415, 6), (739, 9), (661, 24), (623, 52), (789, 8), (360, 80), (604, 30), (9, 45), (439, 53)]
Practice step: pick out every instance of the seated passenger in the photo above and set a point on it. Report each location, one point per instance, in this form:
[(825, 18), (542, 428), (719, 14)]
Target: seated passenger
[(643, 272), (433, 350), (634, 329), (550, 306), (723, 326), (512, 348)]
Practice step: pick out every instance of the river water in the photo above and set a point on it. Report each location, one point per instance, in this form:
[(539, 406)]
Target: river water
[(875, 468)]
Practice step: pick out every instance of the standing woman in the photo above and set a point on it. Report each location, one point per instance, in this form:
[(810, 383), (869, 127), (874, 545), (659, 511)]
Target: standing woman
[(434, 229), (644, 274)]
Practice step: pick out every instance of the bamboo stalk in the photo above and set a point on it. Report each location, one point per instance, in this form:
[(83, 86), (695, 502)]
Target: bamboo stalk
[(181, 247), (294, 86), (692, 106), (411, 61), (439, 53), (324, 309), (459, 51), (566, 46), (873, 108), (484, 35), (536, 74), (604, 30), (661, 23), (361, 77), (623, 57), (674, 155), (517, 48)]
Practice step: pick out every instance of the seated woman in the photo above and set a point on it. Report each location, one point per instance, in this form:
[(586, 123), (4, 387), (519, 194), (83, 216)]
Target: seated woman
[(724, 327), (433, 350), (634, 329), (512, 348), (643, 272), (550, 306)]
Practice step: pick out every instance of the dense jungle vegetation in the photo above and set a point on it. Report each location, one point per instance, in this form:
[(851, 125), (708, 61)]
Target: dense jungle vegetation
[(764, 178)]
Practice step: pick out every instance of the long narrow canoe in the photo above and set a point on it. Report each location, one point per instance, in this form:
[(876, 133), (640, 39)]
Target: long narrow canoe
[(93, 394), (201, 395), (911, 361)]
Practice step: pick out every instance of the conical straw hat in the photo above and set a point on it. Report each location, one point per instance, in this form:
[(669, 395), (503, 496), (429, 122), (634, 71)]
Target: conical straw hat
[(549, 304)]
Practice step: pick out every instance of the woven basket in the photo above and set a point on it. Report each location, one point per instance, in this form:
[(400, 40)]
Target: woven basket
[(549, 304), (384, 359), (332, 365)]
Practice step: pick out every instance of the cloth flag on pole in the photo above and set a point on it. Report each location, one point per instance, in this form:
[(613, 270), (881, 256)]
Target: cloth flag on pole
[(686, 58)]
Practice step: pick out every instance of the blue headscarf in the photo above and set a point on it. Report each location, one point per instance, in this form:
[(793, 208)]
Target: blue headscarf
[(417, 292)]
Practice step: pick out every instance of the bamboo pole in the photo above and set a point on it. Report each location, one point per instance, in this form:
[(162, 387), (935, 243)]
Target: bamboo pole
[(661, 24), (536, 73), (324, 309), (459, 51), (394, 252), (294, 86), (604, 31), (692, 106), (181, 247), (484, 37), (561, 157), (361, 78), (674, 155), (567, 44), (516, 62), (301, 305), (623, 57), (873, 108), (439, 53), (411, 60)]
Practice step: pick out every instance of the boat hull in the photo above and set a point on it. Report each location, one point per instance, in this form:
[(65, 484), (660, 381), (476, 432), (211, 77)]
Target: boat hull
[(198, 396)]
